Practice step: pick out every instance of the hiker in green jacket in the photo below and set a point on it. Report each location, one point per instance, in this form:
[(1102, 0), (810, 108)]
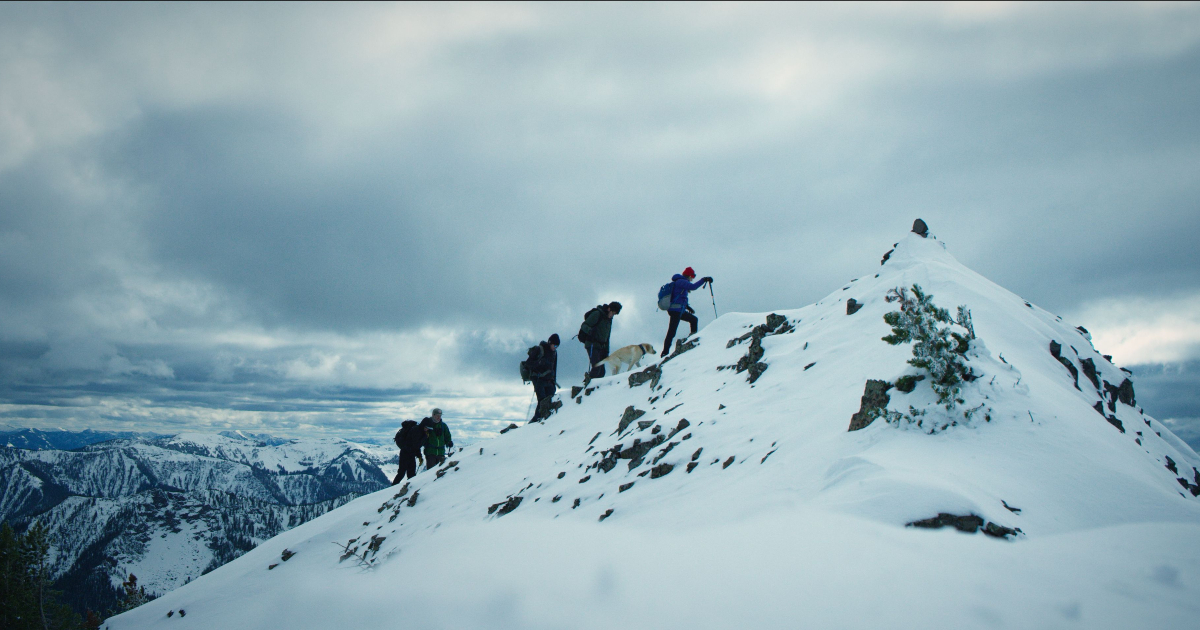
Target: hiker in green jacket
[(437, 439), (594, 333)]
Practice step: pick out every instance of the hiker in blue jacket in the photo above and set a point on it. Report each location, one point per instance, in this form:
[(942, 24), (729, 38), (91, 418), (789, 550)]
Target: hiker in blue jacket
[(679, 304)]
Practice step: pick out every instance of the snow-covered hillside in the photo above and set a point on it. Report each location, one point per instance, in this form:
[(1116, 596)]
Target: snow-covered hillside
[(169, 508), (722, 487)]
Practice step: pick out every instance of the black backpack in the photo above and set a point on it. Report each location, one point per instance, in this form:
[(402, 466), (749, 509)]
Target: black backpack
[(585, 331), (526, 374), (410, 437)]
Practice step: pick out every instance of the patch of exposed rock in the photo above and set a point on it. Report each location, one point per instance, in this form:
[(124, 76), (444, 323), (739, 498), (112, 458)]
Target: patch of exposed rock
[(874, 404)]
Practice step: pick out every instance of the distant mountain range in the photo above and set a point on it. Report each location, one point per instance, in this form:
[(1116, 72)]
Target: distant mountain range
[(170, 508), (63, 440)]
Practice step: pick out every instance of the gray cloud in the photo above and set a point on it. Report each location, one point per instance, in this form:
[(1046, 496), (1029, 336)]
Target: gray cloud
[(304, 214)]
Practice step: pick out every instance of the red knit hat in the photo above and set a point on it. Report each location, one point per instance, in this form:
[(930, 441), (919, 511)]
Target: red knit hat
[(689, 273)]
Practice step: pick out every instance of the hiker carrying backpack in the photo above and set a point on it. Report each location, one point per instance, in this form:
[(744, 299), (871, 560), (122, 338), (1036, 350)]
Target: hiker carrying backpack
[(681, 284), (542, 366), (594, 333), (437, 439), (410, 438)]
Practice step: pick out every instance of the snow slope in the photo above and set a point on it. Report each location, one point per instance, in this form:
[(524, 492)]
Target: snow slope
[(755, 506)]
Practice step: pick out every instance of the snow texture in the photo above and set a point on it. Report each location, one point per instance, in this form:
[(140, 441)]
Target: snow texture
[(752, 505)]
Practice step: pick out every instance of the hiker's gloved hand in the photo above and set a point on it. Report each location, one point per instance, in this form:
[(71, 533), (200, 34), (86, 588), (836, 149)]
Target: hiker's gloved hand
[(707, 279), (691, 310)]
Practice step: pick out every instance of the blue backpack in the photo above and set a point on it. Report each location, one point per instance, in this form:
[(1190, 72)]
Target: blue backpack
[(664, 295)]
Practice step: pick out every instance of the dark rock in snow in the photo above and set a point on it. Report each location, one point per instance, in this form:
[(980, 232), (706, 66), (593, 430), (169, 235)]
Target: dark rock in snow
[(692, 466), (920, 228), (639, 450), (508, 428), (1056, 352), (585, 478), (873, 405), (727, 463), (663, 453), (1171, 465), (625, 486), (629, 416), (1000, 531), (969, 523), (756, 371), (1116, 423), (809, 365), (681, 346), (575, 389), (506, 506), (696, 455), (609, 461), (575, 504), (852, 306), (775, 324), (1089, 370), (1014, 510), (1125, 393), (681, 425), (650, 375), (607, 513), (661, 470), (1111, 391)]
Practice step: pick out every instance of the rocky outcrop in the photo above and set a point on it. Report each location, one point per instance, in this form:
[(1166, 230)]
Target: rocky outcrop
[(628, 417), (750, 362), (648, 375), (874, 404), (853, 306), (969, 523), (1056, 352)]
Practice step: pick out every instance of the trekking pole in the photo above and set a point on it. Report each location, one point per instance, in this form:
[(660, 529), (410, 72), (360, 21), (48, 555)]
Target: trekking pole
[(714, 300)]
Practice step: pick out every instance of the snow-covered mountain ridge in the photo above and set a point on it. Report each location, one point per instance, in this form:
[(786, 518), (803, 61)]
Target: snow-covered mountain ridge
[(169, 508), (722, 486)]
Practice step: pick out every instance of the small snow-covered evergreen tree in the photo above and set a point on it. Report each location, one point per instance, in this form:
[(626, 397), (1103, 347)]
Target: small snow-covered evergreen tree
[(937, 347)]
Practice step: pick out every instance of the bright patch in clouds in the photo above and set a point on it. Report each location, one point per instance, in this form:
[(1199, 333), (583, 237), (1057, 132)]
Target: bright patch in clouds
[(1145, 330)]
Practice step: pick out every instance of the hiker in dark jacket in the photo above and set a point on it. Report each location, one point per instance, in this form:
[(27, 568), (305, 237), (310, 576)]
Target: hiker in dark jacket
[(594, 333), (543, 371), (410, 438), (679, 309), (437, 438)]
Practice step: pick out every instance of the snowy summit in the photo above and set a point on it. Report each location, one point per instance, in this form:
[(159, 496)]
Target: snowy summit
[(985, 467)]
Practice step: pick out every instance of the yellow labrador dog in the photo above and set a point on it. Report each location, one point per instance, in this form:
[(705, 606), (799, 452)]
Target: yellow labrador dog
[(629, 356)]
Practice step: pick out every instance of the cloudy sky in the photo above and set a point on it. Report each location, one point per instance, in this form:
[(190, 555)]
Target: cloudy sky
[(319, 219)]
